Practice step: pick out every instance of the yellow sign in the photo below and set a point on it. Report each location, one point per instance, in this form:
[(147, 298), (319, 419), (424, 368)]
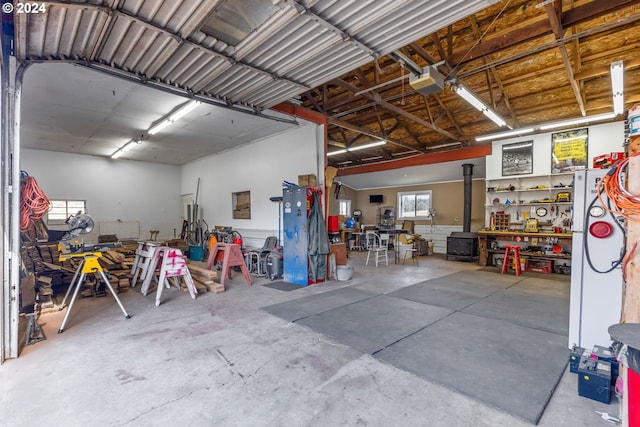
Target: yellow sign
[(569, 151)]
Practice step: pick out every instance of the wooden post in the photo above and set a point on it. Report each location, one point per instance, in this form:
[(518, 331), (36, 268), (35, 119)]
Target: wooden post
[(631, 289)]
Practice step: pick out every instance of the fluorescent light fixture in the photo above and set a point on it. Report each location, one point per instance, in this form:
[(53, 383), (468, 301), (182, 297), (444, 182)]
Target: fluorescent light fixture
[(477, 103), (183, 111), (157, 128), (362, 147), (126, 147), (617, 86), (333, 153), (359, 147), (579, 120), (470, 98), (517, 146), (449, 144), (174, 117), (507, 134), (548, 126), (494, 118)]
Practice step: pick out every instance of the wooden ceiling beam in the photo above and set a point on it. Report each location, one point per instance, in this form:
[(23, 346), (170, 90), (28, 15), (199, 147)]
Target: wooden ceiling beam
[(506, 39), (388, 106), (604, 70), (364, 131), (421, 52), (447, 112), (554, 14), (496, 77), (592, 10)]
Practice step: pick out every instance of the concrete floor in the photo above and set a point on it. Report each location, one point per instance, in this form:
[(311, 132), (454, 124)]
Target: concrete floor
[(219, 360)]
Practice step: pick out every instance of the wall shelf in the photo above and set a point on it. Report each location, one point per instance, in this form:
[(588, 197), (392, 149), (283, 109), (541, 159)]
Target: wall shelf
[(526, 194)]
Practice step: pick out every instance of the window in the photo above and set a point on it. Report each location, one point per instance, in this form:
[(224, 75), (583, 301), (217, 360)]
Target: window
[(345, 207), (60, 210), (415, 204)]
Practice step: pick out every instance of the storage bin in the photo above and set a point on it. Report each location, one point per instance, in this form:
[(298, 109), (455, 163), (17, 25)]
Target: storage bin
[(196, 252), (344, 272), (538, 265)]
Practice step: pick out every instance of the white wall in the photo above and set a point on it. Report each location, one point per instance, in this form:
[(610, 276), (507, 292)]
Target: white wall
[(602, 139), (113, 189), (260, 168)]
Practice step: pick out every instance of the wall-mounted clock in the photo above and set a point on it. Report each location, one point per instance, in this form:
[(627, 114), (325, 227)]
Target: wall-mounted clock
[(541, 211)]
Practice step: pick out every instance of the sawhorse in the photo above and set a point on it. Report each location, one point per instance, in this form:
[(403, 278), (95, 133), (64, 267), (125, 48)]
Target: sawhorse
[(231, 256), (89, 265)]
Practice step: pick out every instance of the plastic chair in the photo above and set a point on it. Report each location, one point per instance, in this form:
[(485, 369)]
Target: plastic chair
[(379, 249), (256, 259)]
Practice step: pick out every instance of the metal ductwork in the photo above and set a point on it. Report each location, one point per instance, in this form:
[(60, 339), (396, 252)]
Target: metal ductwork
[(467, 172)]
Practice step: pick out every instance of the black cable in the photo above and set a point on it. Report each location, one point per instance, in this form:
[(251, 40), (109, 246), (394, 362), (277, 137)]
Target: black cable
[(614, 264)]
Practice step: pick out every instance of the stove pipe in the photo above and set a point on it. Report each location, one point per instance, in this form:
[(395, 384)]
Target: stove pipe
[(467, 172)]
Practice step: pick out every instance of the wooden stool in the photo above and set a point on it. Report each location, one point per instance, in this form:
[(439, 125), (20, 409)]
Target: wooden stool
[(413, 252), (231, 256), (512, 253)]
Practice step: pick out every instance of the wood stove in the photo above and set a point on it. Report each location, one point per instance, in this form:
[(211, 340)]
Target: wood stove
[(462, 246)]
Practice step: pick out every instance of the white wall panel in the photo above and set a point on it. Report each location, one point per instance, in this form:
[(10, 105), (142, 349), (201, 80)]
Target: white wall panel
[(603, 138), (260, 168), (115, 190)]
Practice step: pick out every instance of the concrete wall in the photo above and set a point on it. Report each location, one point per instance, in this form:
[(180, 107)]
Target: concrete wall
[(114, 190), (260, 168)]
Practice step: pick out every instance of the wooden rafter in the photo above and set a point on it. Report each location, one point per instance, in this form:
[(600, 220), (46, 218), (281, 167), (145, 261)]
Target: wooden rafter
[(554, 12), (388, 106), (364, 131)]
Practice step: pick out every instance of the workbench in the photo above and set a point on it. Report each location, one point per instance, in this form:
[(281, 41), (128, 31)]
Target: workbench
[(487, 248)]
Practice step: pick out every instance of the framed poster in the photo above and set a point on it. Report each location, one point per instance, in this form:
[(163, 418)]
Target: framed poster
[(517, 158), (569, 150)]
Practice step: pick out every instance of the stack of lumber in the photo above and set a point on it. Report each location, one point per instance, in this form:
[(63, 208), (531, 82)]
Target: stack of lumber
[(204, 278), (116, 265)]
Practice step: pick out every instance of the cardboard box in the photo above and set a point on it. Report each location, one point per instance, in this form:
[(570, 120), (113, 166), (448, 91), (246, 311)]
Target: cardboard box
[(340, 251), (309, 180)]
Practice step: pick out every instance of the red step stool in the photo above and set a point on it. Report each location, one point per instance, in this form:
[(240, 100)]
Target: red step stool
[(512, 254)]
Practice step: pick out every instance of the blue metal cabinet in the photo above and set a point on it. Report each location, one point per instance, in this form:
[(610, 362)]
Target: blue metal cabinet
[(296, 208), (295, 238)]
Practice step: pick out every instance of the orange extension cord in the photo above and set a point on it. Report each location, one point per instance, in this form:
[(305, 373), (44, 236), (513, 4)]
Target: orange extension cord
[(624, 203), (33, 202)]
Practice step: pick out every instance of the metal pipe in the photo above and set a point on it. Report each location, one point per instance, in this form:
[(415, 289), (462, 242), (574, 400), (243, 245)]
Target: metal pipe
[(14, 308), (467, 172), (4, 246)]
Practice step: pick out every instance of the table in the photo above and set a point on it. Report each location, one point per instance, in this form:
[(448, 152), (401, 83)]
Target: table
[(396, 247), (487, 251)]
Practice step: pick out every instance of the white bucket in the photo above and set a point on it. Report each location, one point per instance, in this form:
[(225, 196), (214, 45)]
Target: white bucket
[(344, 272)]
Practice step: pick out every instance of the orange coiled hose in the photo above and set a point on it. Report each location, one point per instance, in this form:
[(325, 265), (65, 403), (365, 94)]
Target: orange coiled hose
[(613, 186), (33, 202)]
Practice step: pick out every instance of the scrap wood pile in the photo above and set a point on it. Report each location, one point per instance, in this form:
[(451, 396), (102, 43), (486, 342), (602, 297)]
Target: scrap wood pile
[(117, 266), (203, 279)]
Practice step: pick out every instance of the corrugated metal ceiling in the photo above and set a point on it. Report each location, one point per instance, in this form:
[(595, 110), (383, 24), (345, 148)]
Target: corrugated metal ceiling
[(300, 46)]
